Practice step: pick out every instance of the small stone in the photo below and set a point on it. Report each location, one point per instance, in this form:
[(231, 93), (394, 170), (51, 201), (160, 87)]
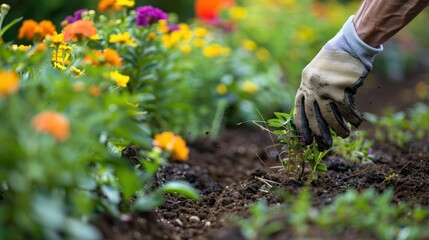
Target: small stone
[(179, 222), (207, 224), (194, 219)]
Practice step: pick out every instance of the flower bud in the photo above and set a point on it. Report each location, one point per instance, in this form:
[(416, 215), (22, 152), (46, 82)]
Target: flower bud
[(4, 9)]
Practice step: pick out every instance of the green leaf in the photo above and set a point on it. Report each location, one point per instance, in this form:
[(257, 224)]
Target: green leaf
[(321, 168), (181, 188), (5, 28), (148, 203), (129, 182)]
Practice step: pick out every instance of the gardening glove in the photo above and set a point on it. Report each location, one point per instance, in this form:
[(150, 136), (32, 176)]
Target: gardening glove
[(325, 98)]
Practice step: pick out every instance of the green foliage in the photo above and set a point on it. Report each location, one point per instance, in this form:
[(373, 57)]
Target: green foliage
[(369, 213), (356, 148), (293, 156), (401, 127), (57, 177), (259, 224)]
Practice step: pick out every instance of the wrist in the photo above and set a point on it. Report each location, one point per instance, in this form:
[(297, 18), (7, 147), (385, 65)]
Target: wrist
[(348, 40)]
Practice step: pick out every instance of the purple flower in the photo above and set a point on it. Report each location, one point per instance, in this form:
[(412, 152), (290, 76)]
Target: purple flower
[(172, 27), (370, 151), (77, 16), (147, 15)]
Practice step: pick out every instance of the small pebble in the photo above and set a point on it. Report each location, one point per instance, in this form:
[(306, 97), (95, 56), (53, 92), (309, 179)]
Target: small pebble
[(179, 222), (194, 219), (207, 224)]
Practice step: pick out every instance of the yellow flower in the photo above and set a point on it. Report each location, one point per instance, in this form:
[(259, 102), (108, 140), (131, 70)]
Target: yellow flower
[(163, 26), (262, 54), (186, 48), (250, 87), (199, 42), (21, 47), (200, 32), (59, 66), (152, 36), (123, 38), (221, 89), (215, 50), (306, 33), (57, 39), (249, 45), (9, 83), (125, 3), (76, 71), (238, 13), (121, 80), (173, 143)]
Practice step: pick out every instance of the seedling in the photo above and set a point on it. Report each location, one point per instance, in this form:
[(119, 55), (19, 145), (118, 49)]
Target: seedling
[(293, 156), (356, 148)]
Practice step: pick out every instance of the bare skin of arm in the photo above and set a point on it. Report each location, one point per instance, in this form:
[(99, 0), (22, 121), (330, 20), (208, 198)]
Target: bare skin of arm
[(377, 21)]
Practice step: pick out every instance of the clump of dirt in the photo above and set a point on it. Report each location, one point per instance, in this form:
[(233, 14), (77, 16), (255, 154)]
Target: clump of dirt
[(228, 173)]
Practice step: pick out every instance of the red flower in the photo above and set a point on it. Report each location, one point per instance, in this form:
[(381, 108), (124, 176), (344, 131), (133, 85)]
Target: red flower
[(208, 10)]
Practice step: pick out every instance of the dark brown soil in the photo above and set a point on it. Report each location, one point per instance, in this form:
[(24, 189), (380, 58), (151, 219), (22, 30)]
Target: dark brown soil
[(226, 173)]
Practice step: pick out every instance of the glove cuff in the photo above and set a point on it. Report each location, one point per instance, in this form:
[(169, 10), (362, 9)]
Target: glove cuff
[(349, 41)]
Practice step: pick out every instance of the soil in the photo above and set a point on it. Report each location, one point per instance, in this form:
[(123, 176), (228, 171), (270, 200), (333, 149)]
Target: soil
[(226, 171)]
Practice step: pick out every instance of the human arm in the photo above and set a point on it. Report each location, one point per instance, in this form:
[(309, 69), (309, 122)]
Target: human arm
[(325, 98)]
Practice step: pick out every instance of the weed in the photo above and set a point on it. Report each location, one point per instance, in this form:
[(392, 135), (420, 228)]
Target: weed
[(356, 148), (368, 213), (401, 127), (293, 156)]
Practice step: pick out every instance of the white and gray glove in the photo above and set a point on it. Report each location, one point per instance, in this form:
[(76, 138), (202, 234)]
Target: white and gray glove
[(325, 98)]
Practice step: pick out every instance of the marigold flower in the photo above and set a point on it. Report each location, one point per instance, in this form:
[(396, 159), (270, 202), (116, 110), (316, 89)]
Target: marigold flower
[(186, 48), (250, 87), (9, 83), (30, 29), (108, 5), (123, 38), (94, 90), (215, 50), (52, 123), (262, 54), (152, 36), (147, 15), (121, 80), (108, 56), (125, 3), (79, 30), (221, 89), (249, 45), (21, 47), (200, 32), (173, 143), (112, 57)]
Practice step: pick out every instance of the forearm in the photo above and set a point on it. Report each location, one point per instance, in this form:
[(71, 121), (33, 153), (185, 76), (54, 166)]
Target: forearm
[(377, 21)]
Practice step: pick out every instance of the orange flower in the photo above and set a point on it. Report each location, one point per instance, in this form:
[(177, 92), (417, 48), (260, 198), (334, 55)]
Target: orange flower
[(30, 29), (79, 30), (173, 143), (208, 10), (108, 56), (9, 83), (94, 90), (112, 58), (107, 5), (53, 123)]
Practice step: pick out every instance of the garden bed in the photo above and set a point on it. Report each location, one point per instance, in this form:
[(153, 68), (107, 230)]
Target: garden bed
[(228, 174)]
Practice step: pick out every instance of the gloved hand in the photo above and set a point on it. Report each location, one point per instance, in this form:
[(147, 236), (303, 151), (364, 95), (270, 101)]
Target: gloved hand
[(325, 98)]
